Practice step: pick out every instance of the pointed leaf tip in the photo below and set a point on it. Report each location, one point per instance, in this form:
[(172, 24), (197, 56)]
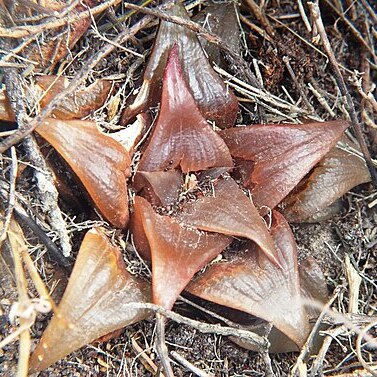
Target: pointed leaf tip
[(100, 162), (94, 302), (251, 283), (282, 154), (182, 137), (177, 252), (229, 211)]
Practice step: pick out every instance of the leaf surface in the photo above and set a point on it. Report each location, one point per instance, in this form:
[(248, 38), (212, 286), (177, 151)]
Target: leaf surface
[(331, 178), (160, 188), (229, 211), (94, 302), (182, 137), (215, 101), (177, 252), (282, 154), (78, 105), (250, 282), (100, 162)]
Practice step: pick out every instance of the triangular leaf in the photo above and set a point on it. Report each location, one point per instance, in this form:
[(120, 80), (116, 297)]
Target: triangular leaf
[(182, 137), (94, 302), (331, 178), (282, 154), (215, 101), (229, 211), (251, 283), (99, 161), (177, 252)]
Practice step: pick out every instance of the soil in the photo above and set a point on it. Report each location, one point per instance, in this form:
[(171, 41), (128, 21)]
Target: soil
[(351, 232)]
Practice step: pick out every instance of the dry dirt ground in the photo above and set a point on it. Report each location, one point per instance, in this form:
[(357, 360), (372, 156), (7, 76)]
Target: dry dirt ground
[(352, 31)]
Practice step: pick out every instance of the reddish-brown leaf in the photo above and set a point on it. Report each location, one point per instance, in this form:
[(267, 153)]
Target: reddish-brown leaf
[(215, 101), (100, 162), (251, 283), (75, 106), (177, 252), (229, 211), (181, 136), (161, 188), (331, 178), (282, 154), (94, 302)]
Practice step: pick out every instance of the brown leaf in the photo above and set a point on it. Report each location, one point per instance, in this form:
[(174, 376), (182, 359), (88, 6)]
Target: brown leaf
[(56, 44), (160, 188), (130, 136), (181, 136), (6, 112), (220, 19), (100, 162), (177, 252), (331, 178), (79, 104), (282, 154), (251, 283), (215, 101), (229, 211), (313, 284), (94, 303)]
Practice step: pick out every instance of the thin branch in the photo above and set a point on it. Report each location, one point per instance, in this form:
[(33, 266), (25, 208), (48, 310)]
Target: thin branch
[(369, 368), (308, 344), (192, 368), (259, 342), (259, 15), (161, 347)]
